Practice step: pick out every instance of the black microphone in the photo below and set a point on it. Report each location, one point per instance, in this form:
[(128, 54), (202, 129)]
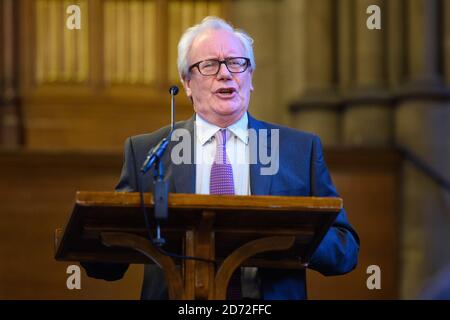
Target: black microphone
[(173, 90), (154, 154), (157, 151)]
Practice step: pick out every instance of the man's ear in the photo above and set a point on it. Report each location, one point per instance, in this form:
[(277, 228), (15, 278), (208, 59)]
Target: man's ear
[(187, 86), (251, 80)]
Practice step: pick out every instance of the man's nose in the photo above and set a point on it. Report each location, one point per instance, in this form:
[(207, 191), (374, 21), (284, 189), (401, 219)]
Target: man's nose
[(223, 73)]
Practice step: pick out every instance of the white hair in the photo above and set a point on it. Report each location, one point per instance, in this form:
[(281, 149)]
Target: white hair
[(210, 23)]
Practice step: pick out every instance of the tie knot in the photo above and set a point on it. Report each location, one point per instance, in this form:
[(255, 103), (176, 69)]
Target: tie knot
[(221, 137)]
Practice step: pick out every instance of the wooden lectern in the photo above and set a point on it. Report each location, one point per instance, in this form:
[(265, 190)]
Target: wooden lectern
[(233, 231)]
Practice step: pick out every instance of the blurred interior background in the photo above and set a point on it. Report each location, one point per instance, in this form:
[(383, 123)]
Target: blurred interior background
[(379, 99)]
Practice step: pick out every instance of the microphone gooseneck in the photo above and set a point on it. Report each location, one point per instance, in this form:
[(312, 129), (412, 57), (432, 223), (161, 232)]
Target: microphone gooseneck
[(156, 153), (173, 92)]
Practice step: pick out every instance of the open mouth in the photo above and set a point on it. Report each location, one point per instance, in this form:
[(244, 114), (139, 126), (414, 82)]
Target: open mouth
[(226, 92)]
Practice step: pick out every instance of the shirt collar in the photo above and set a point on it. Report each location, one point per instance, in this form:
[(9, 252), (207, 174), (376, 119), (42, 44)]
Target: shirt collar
[(240, 128), (205, 130)]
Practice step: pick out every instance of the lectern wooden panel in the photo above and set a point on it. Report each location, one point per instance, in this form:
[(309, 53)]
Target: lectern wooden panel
[(225, 231)]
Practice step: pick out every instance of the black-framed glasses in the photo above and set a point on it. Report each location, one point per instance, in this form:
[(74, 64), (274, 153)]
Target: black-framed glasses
[(211, 67)]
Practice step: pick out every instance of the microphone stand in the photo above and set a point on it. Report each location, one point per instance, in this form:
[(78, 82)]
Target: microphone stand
[(161, 188), (160, 199)]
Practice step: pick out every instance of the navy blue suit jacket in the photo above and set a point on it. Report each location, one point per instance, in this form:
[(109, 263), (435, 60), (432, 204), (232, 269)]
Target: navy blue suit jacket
[(302, 172)]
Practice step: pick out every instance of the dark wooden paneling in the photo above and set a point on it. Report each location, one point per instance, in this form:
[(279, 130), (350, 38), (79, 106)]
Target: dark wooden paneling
[(91, 122), (368, 181), (37, 191)]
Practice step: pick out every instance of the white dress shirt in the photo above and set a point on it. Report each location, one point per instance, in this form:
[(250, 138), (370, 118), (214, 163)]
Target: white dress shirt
[(237, 152)]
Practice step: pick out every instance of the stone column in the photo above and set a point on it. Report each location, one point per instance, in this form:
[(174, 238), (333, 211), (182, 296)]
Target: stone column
[(291, 54), (367, 116), (394, 20), (422, 128), (316, 109), (446, 41), (10, 135), (422, 41), (260, 20)]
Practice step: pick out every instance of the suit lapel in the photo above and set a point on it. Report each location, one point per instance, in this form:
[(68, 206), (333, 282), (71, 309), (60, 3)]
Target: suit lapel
[(259, 184), (183, 175)]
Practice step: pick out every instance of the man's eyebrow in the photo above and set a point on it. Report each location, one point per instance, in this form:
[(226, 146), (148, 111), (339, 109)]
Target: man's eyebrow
[(217, 58)]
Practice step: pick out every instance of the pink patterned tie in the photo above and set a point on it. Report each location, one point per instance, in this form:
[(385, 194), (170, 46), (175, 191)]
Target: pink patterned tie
[(221, 182), (221, 179)]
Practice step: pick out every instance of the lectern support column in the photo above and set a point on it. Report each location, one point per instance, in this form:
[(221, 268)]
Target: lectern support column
[(199, 275)]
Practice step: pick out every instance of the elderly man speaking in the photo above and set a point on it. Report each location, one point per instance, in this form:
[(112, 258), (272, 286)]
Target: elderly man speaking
[(216, 66)]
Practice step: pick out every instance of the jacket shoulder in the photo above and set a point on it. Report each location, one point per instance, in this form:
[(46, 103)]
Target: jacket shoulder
[(290, 133)]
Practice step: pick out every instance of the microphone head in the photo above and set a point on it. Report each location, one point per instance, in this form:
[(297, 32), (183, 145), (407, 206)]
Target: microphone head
[(173, 90)]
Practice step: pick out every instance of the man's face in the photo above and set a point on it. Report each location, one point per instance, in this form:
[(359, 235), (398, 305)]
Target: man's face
[(207, 92)]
